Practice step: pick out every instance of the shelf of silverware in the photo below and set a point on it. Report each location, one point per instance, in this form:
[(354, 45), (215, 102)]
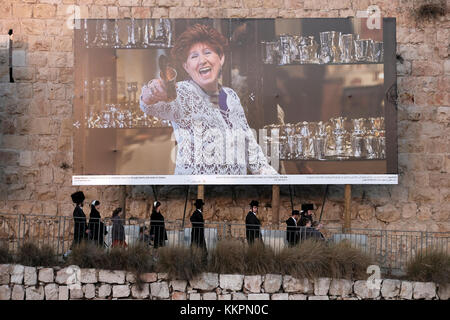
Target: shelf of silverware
[(112, 151), (332, 166)]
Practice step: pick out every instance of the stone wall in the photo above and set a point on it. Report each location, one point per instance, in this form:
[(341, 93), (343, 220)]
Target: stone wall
[(36, 127), (18, 282)]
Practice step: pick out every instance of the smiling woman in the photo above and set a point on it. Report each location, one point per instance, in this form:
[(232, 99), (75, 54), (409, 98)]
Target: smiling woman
[(212, 132)]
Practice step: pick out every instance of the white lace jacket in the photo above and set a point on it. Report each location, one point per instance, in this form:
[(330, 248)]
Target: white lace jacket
[(206, 143)]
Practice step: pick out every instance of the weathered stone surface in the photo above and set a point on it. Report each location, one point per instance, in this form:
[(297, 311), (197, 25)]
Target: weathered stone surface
[(179, 295), (231, 282), (76, 293), (390, 288), (108, 276), (361, 290), (318, 298), (159, 290), (424, 290), (258, 296), (444, 291), (195, 296), (89, 291), (46, 275), (149, 277), (104, 291), (387, 213), (88, 276), (253, 283), (162, 276), (30, 276), (291, 284), (280, 296), (205, 281), (321, 286), (4, 273), (63, 293), (224, 297), (5, 292), (33, 293), (341, 287), (18, 292), (17, 274), (121, 291), (272, 283), (142, 293), (51, 291), (209, 296), (238, 296), (297, 296), (406, 290), (63, 275), (178, 285)]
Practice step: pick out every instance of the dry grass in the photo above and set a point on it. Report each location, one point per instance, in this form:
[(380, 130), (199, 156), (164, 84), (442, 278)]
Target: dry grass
[(181, 263), (87, 255), (5, 255), (346, 262), (30, 254), (306, 260), (431, 266), (259, 259), (312, 259), (228, 257)]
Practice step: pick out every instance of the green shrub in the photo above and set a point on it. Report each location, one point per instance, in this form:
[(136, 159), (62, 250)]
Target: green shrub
[(182, 263), (228, 257), (30, 254), (433, 265)]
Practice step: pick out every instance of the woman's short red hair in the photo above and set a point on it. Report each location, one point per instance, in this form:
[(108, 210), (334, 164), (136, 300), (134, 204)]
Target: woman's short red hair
[(198, 33)]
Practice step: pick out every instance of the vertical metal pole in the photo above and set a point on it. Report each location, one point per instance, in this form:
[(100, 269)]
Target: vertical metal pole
[(347, 212), (201, 192), (275, 204), (18, 231), (59, 234)]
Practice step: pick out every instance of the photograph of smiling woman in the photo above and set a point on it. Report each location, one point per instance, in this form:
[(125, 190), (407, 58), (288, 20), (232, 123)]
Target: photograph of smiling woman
[(210, 127)]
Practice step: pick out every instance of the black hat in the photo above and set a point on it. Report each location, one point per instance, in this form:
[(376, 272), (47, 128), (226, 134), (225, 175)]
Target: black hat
[(307, 206), (77, 197), (199, 203), (254, 203), (295, 212)]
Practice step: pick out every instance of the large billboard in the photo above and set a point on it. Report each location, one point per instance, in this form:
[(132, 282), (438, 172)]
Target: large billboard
[(235, 101)]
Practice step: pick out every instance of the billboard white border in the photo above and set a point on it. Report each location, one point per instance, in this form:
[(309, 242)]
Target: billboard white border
[(90, 180)]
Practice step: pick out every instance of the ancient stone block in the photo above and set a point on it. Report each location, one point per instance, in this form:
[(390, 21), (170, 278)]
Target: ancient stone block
[(142, 293), (46, 275), (272, 283), (205, 281), (34, 293), (253, 283), (424, 290), (232, 282), (159, 290)]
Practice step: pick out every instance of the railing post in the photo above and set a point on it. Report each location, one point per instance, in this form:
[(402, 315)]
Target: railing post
[(18, 231)]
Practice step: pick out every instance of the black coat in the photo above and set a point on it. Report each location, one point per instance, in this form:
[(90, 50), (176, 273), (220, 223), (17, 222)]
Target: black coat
[(252, 227), (118, 230), (79, 224), (292, 233), (158, 229), (198, 230), (310, 233), (97, 227)]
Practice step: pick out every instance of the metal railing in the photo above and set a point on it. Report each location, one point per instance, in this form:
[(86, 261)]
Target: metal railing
[(391, 249)]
